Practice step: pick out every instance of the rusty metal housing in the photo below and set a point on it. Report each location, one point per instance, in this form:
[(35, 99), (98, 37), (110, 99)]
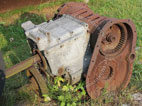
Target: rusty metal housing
[(77, 43), (113, 42)]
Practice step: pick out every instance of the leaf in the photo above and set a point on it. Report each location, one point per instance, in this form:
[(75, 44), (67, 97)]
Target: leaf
[(65, 88), (73, 104), (68, 104), (62, 104), (61, 98), (58, 81), (83, 92), (2, 23), (46, 98)]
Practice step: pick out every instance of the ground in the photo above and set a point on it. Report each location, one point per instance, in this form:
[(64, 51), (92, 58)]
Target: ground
[(15, 49), (6, 5)]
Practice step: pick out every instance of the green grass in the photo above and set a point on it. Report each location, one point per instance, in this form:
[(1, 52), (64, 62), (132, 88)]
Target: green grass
[(124, 9), (14, 46), (15, 51)]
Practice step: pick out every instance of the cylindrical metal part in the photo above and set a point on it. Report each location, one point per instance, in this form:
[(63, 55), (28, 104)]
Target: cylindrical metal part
[(22, 66)]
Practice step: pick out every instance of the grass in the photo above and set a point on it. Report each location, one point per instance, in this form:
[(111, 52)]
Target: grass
[(15, 48)]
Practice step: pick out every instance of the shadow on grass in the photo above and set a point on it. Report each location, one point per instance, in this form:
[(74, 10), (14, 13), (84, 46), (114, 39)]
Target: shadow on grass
[(15, 51)]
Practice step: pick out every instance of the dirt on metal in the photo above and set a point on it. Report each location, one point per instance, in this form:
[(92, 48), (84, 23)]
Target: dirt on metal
[(113, 42)]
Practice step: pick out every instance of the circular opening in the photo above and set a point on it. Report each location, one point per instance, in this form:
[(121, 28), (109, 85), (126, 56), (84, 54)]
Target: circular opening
[(132, 56), (108, 73)]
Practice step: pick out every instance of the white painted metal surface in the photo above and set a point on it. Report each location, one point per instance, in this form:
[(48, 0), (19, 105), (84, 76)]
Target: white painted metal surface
[(65, 44)]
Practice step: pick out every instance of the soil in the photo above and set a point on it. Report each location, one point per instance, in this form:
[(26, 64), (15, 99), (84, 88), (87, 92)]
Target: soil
[(6, 5)]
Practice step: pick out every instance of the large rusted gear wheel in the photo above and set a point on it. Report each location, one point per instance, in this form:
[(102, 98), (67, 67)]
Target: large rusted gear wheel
[(2, 75), (113, 42)]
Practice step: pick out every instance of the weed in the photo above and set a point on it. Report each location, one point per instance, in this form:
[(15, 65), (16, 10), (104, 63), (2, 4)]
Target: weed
[(66, 94)]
